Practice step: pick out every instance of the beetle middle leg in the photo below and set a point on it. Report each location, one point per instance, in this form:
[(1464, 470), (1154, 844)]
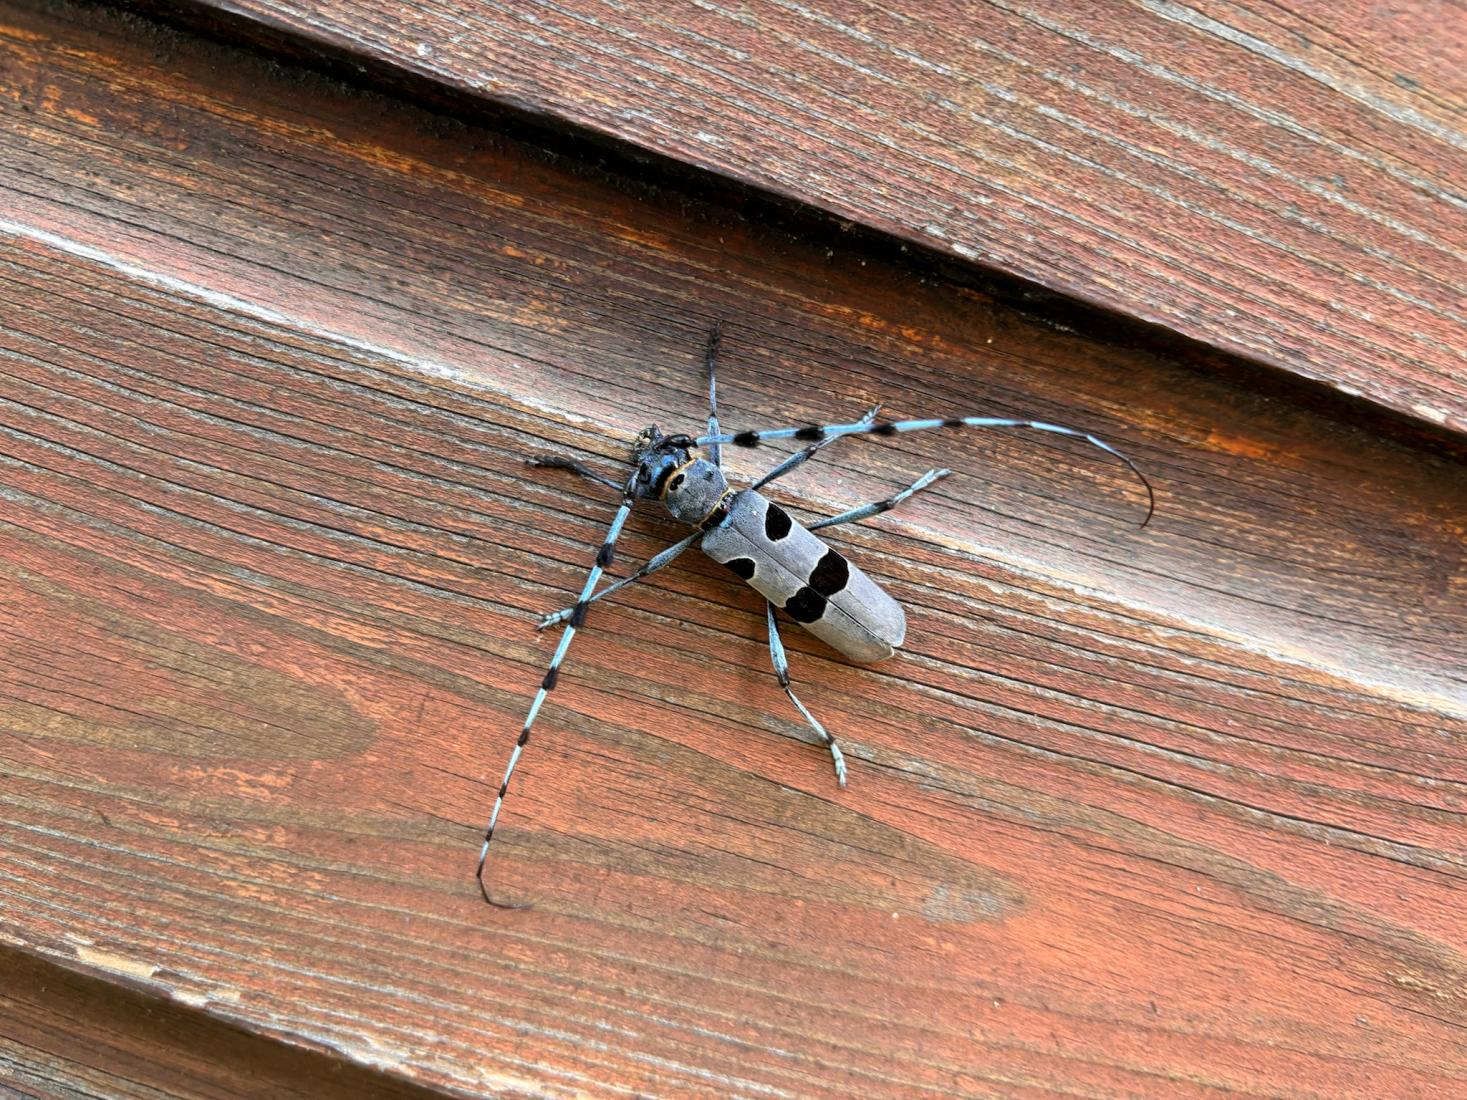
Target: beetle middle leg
[(653, 564)]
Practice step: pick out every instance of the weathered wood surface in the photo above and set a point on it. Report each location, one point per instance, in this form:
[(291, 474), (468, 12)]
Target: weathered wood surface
[(64, 1034), (1167, 813), (1282, 181)]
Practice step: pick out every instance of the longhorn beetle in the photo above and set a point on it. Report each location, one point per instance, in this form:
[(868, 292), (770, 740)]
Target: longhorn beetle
[(758, 540)]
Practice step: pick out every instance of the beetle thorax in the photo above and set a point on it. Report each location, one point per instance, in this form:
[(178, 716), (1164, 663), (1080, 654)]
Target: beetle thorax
[(694, 491), (670, 469)]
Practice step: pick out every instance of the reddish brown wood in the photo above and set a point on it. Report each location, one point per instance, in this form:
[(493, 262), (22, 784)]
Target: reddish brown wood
[(1284, 182), (64, 1034), (1164, 813)]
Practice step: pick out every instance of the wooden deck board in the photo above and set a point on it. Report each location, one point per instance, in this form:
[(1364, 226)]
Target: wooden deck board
[(65, 1034), (1282, 183), (1159, 813)]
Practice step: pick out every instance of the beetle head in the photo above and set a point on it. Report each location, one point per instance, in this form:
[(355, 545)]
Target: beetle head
[(656, 456)]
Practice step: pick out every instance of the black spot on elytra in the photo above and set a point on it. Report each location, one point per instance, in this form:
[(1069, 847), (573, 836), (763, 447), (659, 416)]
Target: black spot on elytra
[(742, 567), (812, 434), (830, 574), (884, 429), (678, 479), (777, 523), (747, 439), (805, 606)]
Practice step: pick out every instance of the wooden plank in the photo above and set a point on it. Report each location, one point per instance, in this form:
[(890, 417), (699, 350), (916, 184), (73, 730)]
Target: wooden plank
[(64, 1034), (1163, 813), (1282, 183)]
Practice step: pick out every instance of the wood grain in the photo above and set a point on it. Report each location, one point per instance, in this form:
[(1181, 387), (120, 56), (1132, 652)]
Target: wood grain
[(1282, 182), (64, 1034), (1168, 813)]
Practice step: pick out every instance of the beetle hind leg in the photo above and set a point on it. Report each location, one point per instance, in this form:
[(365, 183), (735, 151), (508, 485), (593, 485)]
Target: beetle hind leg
[(782, 671)]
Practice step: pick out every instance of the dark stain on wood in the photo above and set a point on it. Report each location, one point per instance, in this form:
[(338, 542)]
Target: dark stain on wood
[(1263, 181)]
